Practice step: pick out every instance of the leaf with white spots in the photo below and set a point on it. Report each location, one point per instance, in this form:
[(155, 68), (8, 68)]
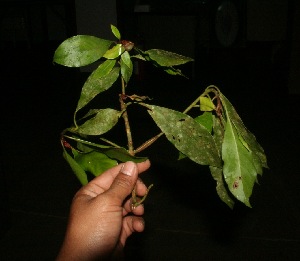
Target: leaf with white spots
[(239, 170), (95, 85), (188, 136), (246, 135), (217, 175), (80, 50), (101, 123)]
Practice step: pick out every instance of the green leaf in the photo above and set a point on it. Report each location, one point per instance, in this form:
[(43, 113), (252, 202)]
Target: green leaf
[(77, 169), (239, 170), (125, 57), (188, 136), (206, 104), (217, 175), (114, 52), (206, 120), (173, 71), (95, 85), (218, 133), (165, 58), (121, 154), (104, 69), (248, 137), (139, 56), (126, 71), (104, 120), (94, 162), (115, 31), (80, 50)]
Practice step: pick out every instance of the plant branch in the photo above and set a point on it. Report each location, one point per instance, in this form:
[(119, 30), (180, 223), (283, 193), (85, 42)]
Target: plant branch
[(110, 143), (210, 88), (148, 143), (126, 120)]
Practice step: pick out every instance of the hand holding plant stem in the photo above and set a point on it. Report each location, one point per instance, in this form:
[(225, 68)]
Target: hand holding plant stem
[(217, 137)]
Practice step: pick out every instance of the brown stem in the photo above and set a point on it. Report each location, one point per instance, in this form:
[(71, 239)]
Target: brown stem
[(127, 127), (126, 120), (148, 143)]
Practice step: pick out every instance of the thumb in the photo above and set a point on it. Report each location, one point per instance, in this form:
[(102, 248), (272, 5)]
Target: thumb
[(124, 182)]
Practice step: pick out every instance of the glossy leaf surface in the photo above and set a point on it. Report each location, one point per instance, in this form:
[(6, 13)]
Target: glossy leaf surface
[(80, 50), (188, 136), (115, 31), (102, 122), (126, 68), (114, 52), (95, 85), (125, 57), (104, 69), (206, 104), (77, 169), (94, 162)]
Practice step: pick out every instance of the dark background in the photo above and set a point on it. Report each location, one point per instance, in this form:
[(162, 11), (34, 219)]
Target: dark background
[(258, 72)]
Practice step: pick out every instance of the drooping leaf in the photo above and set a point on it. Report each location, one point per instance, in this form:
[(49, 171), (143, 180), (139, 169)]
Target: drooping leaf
[(115, 31), (218, 133), (139, 56), (77, 169), (94, 162), (95, 85), (206, 120), (249, 138), (80, 50), (217, 175), (126, 71), (102, 122), (206, 104), (188, 136), (173, 71), (239, 170), (165, 58), (114, 52)]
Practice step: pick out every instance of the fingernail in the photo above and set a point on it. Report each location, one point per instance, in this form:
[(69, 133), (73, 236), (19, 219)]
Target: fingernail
[(128, 168)]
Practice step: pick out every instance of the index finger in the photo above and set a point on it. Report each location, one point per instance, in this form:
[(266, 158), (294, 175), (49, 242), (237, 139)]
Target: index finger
[(103, 182)]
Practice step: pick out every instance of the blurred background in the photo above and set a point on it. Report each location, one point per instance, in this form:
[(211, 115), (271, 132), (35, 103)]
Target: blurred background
[(248, 48)]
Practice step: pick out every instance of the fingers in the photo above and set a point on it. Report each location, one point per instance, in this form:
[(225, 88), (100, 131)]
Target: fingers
[(103, 182), (127, 208), (131, 224), (143, 166), (140, 188), (124, 182)]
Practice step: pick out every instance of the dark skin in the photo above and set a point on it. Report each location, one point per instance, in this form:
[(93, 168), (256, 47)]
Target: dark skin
[(101, 216)]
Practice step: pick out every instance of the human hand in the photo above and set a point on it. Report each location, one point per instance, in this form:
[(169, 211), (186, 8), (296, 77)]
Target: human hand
[(99, 223)]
